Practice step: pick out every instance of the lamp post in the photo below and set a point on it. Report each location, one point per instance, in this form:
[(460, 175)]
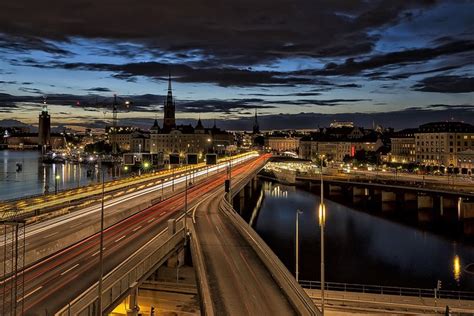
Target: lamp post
[(322, 222), (186, 204), (230, 177), (172, 177), (101, 250), (297, 245)]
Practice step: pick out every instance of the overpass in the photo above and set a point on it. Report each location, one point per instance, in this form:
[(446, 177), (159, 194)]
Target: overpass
[(65, 281), (238, 274)]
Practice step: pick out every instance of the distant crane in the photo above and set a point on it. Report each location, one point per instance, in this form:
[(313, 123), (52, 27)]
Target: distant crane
[(117, 103)]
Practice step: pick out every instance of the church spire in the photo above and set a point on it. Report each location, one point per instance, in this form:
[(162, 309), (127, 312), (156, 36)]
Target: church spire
[(256, 127), (169, 121), (169, 82)]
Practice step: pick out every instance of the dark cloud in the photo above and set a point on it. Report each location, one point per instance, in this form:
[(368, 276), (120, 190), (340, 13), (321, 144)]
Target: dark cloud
[(405, 75), (354, 67), (222, 106), (329, 102), (25, 43), (182, 73), (446, 84), (8, 82), (232, 32), (452, 106), (98, 89), (296, 94), (30, 90)]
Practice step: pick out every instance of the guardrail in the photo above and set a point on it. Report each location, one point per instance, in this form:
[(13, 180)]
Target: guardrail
[(242, 183), (294, 293), (207, 309), (118, 283), (388, 290)]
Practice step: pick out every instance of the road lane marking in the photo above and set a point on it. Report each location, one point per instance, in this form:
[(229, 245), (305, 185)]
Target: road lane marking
[(95, 253), (151, 220), (71, 268), (137, 228), (163, 213), (120, 238), (50, 235), (32, 292), (78, 224)]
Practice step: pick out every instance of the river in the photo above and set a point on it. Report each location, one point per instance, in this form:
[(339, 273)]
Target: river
[(37, 177), (360, 247)]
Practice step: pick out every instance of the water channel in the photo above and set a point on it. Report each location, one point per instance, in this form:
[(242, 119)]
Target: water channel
[(36, 177), (361, 248)]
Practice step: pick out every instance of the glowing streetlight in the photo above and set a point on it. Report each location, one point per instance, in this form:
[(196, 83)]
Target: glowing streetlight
[(322, 222), (125, 168)]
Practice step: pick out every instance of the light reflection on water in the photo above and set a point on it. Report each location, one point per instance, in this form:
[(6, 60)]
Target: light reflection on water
[(360, 247), (36, 177)]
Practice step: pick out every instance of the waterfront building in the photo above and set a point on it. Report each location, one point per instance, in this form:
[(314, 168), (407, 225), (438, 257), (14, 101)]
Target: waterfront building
[(403, 146), (32, 141), (440, 143), (466, 161), (337, 124), (336, 143), (281, 144)]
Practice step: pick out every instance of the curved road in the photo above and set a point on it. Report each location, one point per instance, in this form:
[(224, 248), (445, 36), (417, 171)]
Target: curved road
[(239, 282)]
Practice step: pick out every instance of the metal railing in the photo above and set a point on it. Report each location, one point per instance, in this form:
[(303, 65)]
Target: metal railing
[(388, 290)]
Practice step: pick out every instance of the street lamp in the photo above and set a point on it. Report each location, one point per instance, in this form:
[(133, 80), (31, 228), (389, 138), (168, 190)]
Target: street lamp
[(101, 250), (322, 222), (297, 245), (229, 173)]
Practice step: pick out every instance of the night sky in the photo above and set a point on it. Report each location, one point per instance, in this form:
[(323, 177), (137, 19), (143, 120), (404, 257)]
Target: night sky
[(300, 63)]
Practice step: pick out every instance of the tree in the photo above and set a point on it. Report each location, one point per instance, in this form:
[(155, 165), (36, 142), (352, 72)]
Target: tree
[(100, 147)]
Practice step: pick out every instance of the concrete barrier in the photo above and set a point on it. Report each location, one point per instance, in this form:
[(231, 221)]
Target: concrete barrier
[(207, 309)]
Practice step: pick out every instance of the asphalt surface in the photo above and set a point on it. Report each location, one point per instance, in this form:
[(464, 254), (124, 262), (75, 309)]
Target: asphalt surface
[(239, 282), (53, 282)]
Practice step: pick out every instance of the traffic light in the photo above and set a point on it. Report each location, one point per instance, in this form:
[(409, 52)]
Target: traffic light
[(438, 285), (152, 311)]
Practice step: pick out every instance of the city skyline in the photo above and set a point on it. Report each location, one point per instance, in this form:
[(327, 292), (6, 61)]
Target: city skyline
[(299, 65)]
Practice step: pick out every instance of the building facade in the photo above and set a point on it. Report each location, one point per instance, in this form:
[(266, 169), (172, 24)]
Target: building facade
[(403, 149), (282, 144), (440, 143)]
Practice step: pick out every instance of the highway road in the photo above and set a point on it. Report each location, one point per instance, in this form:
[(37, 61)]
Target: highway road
[(239, 282), (65, 198), (51, 283), (49, 236)]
